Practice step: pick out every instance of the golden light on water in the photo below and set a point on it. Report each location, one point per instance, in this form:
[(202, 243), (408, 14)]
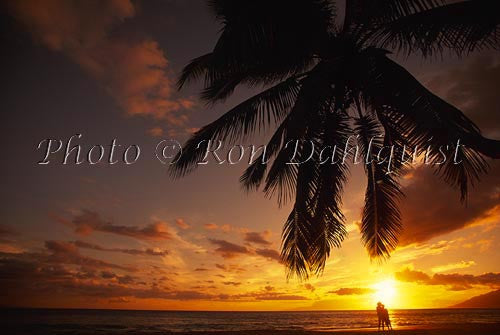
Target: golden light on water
[(385, 292)]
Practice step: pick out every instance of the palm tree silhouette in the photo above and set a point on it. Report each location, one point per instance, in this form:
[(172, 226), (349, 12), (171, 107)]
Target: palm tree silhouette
[(324, 82)]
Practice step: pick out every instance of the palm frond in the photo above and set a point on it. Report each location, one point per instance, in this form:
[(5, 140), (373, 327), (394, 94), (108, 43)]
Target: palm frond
[(313, 71), (196, 69), (381, 219), (463, 170), (218, 90), (262, 42), (362, 15), (295, 243), (328, 229), (297, 232), (316, 223), (282, 176), (256, 113), (463, 27), (423, 119), (314, 95), (253, 175)]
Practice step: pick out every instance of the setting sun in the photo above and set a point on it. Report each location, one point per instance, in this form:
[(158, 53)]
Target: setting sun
[(385, 292)]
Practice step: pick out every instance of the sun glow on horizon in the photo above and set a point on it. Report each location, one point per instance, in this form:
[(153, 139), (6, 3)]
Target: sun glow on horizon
[(385, 292)]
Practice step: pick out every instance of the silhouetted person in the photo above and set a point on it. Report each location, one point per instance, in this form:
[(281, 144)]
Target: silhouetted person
[(383, 317), (386, 319), (380, 311)]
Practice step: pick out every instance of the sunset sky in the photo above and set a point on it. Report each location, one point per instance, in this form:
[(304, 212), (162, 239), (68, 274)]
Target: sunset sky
[(128, 236)]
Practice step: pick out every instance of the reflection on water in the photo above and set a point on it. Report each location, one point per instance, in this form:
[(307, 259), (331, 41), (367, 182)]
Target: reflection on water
[(115, 322)]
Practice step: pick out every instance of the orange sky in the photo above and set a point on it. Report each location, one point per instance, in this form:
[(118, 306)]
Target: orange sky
[(194, 263)]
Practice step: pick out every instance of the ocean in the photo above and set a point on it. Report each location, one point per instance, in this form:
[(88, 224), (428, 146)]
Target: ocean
[(74, 321)]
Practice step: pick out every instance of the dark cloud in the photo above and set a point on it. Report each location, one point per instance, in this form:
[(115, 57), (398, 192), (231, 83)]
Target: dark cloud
[(233, 283), (145, 252), (125, 279), (60, 261), (6, 231), (309, 287), (88, 221), (473, 87), (258, 238), (454, 281), (279, 296), (107, 274), (432, 208), (67, 253), (7, 237), (86, 273), (200, 269), (269, 253), (22, 279), (119, 300), (264, 296), (409, 275), (59, 247), (203, 287), (25, 277), (352, 291), (229, 250), (229, 268)]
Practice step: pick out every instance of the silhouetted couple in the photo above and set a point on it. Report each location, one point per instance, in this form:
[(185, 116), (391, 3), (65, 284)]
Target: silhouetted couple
[(383, 316)]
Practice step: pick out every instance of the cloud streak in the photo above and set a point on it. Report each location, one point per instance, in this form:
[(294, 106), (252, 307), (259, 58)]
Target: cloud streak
[(67, 253), (88, 221), (229, 250), (352, 291), (453, 266), (134, 252), (454, 281), (258, 238), (18, 273), (269, 253)]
